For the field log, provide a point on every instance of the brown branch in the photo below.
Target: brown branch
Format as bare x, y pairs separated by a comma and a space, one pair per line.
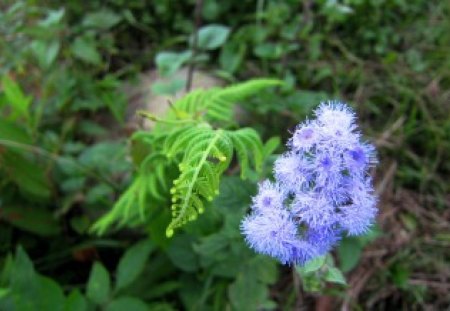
198, 20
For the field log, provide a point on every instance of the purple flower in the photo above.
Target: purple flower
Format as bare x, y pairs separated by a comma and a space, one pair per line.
269, 197
360, 157
321, 190
274, 233
292, 172
305, 137
323, 239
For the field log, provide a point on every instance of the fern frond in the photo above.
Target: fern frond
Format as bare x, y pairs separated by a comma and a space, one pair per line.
248, 146
200, 169
185, 142
221, 103
134, 205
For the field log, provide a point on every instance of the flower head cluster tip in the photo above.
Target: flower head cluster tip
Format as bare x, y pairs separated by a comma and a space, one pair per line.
322, 190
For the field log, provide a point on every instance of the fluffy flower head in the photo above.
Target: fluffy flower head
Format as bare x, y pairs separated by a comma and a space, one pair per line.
322, 190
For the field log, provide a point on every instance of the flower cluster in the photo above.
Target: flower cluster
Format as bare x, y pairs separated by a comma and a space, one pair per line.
322, 190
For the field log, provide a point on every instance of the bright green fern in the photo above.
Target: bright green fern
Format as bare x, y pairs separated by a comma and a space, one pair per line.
182, 159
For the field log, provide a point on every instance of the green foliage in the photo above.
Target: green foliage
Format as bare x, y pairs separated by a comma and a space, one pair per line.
212, 36
187, 141
132, 264
99, 284
24, 287
63, 156
318, 271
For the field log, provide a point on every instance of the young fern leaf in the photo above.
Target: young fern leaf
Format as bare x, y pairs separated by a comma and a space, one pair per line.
204, 160
249, 147
132, 208
221, 102
186, 140
217, 103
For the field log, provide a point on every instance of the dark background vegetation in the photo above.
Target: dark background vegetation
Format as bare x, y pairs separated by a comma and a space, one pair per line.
64, 158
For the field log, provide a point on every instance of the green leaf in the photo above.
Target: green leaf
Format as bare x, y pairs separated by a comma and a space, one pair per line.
169, 62
247, 293
54, 17
12, 132
27, 174
75, 302
313, 265
349, 253
170, 87
268, 50
132, 263
85, 49
103, 19
98, 287
32, 219
265, 268
27, 288
54, 297
211, 37
400, 275
334, 275
127, 303
4, 291
15, 97
182, 255
45, 52
231, 57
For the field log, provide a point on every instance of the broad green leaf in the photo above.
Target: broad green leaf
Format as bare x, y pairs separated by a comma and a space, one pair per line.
11, 132
54, 17
27, 288
313, 265
247, 293
85, 49
75, 302
54, 297
162, 289
15, 97
169, 62
268, 50
211, 37
231, 57
4, 291
182, 254
24, 283
265, 269
400, 275
334, 275
127, 304
170, 87
235, 195
132, 263
98, 287
103, 19
45, 52
27, 174
349, 253
212, 245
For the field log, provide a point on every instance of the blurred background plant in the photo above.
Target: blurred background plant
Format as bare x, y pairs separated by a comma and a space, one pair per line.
64, 158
